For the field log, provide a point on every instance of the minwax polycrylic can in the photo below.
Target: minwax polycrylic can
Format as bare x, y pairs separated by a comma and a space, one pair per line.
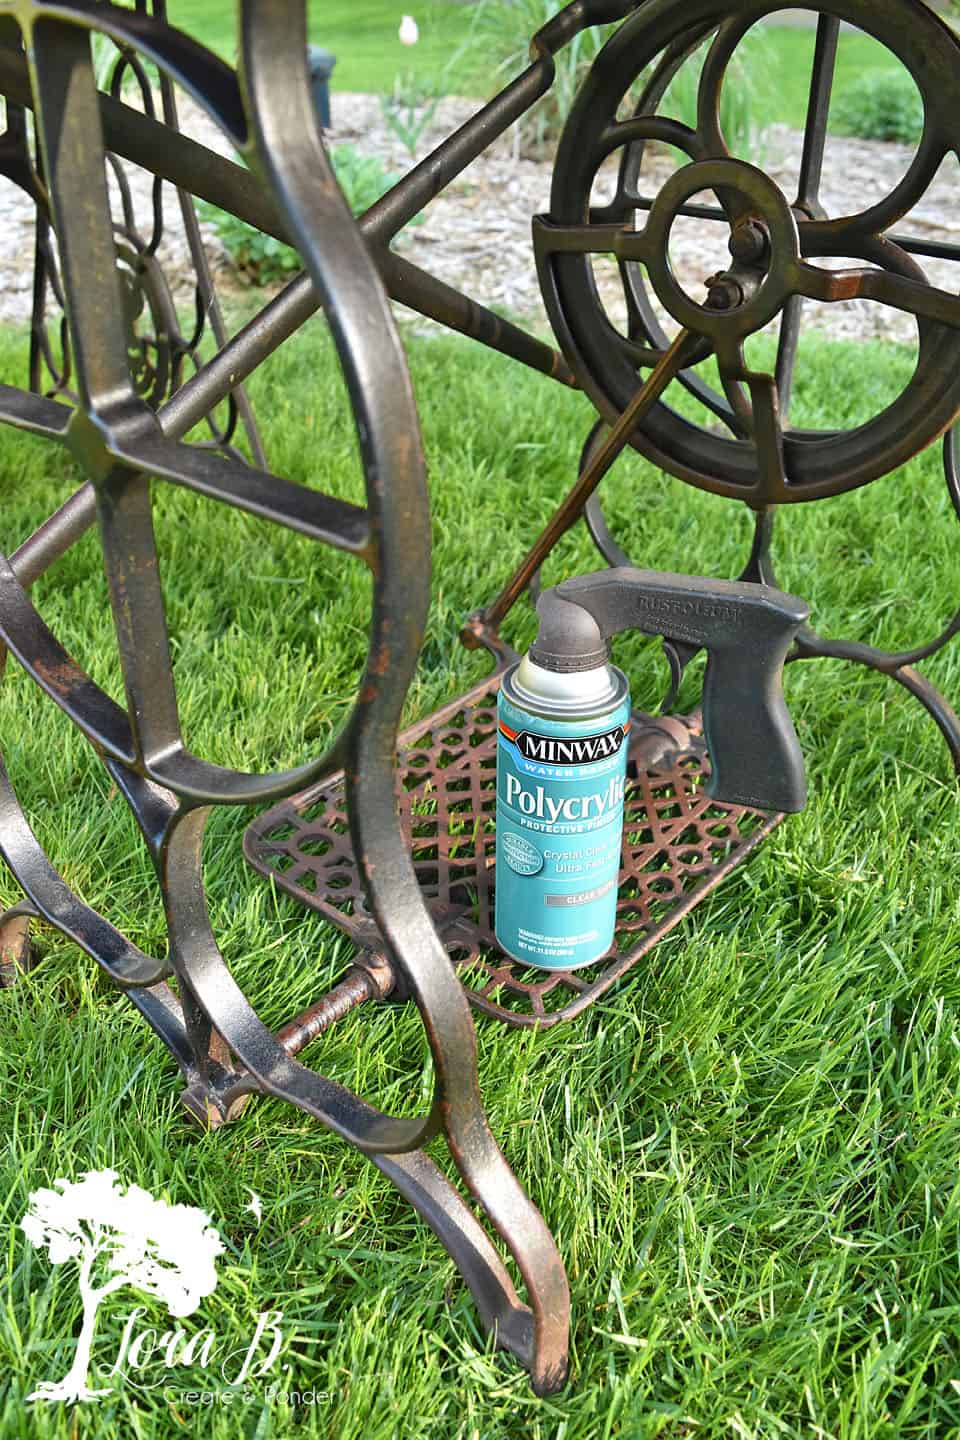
561, 775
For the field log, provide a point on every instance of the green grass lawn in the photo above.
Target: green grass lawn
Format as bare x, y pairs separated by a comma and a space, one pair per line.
783, 92
748, 1152
363, 37
370, 56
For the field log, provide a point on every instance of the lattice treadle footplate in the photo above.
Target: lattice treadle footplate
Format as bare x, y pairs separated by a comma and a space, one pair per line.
678, 845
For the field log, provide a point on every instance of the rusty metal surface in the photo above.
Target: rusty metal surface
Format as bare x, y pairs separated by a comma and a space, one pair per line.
16, 950
678, 846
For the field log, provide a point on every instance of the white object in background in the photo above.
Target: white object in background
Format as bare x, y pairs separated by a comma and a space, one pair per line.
409, 33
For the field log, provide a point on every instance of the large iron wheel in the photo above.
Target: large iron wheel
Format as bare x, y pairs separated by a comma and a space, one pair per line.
774, 241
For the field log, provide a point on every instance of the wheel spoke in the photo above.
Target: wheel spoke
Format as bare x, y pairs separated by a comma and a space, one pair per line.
709, 93
787, 348
839, 235
549, 238
818, 113
712, 75
126, 526
269, 497
900, 292
808, 190
710, 135
642, 128
25, 634
768, 437
33, 413
130, 556
122, 961
665, 71
669, 64
68, 125
930, 249
765, 421
733, 369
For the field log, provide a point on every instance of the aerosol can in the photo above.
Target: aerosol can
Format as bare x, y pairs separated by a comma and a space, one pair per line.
563, 737
561, 776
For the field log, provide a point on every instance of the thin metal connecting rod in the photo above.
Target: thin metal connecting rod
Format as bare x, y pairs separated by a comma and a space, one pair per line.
679, 355
356, 987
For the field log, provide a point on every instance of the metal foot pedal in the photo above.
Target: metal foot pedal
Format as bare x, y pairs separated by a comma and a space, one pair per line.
678, 845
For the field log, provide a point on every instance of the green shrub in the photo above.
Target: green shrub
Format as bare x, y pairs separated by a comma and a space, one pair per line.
881, 105
362, 178
502, 30
262, 259
741, 96
258, 258
409, 108
499, 39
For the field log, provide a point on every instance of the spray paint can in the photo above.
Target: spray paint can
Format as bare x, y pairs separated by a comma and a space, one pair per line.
561, 775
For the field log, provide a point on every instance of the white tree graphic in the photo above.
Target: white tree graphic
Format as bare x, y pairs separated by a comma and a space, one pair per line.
129, 1238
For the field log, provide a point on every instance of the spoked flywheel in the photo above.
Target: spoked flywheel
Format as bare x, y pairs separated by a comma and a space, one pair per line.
779, 245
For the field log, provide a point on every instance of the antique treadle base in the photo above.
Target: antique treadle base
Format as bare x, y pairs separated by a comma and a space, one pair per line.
678, 845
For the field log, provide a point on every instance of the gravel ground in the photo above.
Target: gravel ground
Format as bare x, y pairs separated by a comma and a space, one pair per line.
477, 235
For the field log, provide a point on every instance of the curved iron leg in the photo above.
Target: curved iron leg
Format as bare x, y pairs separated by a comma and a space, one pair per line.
936, 706
901, 668
421, 1183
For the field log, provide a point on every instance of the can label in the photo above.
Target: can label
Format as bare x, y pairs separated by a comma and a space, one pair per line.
560, 790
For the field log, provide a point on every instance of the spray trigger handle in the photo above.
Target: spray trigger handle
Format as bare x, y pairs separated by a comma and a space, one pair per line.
746, 629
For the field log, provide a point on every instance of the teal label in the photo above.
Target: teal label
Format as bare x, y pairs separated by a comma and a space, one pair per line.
560, 789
